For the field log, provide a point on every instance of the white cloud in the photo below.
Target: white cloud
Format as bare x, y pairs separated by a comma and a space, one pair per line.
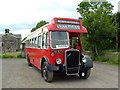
24, 32
16, 14
119, 6
32, 10
115, 4
13, 11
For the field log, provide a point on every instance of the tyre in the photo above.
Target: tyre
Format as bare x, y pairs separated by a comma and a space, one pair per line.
28, 60
85, 73
47, 75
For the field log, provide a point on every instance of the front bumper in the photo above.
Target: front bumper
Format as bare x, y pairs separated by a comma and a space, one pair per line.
61, 68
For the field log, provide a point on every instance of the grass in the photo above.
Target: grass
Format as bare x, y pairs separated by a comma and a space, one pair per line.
109, 58
110, 50
11, 55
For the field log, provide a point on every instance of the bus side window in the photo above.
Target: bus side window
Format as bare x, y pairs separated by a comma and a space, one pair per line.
46, 40
39, 42
43, 40
35, 42
30, 43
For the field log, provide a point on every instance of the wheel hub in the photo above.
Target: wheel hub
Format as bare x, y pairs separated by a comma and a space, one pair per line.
45, 72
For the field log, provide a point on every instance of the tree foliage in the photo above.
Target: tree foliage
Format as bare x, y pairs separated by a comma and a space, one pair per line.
116, 19
39, 24
97, 18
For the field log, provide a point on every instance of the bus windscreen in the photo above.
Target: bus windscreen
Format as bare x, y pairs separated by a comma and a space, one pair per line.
59, 39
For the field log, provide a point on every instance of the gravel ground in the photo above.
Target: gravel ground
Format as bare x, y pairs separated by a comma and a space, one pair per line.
17, 74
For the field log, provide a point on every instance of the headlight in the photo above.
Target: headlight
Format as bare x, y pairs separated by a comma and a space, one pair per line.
84, 60
58, 61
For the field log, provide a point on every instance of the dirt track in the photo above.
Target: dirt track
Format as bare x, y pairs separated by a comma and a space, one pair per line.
17, 74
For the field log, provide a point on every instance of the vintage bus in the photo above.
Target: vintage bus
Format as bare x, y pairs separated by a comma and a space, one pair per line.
56, 47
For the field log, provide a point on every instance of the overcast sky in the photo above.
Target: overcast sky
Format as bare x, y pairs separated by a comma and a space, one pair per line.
20, 16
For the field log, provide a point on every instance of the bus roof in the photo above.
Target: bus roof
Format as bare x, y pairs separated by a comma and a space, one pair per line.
61, 24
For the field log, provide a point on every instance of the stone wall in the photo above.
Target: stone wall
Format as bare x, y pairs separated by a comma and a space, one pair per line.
9, 43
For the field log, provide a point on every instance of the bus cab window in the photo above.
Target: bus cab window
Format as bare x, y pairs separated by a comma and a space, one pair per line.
74, 43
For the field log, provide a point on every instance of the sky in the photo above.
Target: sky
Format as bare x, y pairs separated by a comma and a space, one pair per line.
20, 16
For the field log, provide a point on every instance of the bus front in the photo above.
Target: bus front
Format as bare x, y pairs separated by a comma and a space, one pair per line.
66, 49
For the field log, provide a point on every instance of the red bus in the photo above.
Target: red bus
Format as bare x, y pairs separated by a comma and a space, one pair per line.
56, 47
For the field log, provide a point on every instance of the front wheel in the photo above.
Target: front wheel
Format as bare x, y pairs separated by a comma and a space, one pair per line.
47, 75
84, 74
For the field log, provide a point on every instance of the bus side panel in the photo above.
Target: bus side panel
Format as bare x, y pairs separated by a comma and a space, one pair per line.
36, 55
39, 54
29, 54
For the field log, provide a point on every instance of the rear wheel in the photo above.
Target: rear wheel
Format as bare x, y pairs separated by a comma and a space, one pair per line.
84, 74
47, 75
28, 60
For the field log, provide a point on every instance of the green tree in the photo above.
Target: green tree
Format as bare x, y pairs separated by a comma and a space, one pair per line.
39, 24
97, 18
116, 19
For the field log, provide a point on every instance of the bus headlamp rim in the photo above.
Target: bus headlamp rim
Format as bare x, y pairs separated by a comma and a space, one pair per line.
58, 61
84, 60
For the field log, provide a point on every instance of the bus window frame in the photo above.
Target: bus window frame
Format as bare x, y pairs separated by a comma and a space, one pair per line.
39, 44
46, 40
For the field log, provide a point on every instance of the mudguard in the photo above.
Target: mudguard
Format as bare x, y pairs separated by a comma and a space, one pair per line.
89, 62
50, 67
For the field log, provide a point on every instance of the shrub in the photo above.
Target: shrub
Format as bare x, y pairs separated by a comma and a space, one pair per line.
19, 55
110, 58
102, 59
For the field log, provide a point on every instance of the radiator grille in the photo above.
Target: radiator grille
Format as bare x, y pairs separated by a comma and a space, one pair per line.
72, 61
